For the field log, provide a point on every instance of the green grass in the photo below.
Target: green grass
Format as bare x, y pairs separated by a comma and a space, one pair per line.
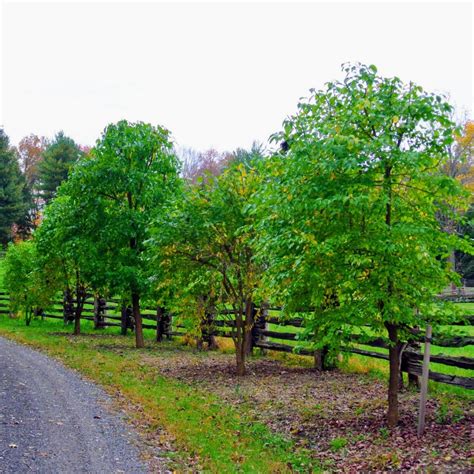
468, 308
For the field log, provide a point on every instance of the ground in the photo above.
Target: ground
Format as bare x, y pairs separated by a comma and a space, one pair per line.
53, 421
339, 417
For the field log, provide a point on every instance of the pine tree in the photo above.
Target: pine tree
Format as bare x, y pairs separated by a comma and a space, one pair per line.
12, 206
58, 158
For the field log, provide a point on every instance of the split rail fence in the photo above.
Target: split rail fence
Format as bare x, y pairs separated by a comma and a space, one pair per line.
268, 333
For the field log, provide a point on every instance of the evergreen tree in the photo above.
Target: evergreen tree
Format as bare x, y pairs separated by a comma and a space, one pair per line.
58, 158
464, 261
12, 206
26, 223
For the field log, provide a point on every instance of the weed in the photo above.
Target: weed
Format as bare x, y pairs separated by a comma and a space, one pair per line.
337, 444
448, 412
384, 432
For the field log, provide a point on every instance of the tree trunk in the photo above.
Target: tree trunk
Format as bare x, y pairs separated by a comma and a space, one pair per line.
27, 316
319, 359
199, 343
210, 338
212, 343
393, 384
240, 358
322, 361
394, 348
139, 341
239, 342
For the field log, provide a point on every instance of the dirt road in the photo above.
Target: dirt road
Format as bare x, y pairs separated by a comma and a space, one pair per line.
52, 421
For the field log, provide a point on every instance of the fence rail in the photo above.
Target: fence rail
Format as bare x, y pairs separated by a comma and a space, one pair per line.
261, 333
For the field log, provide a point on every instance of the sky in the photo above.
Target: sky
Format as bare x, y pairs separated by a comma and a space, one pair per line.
218, 75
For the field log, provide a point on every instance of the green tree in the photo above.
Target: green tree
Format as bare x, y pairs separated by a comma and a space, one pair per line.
207, 238
57, 159
348, 218
126, 180
30, 287
67, 251
12, 205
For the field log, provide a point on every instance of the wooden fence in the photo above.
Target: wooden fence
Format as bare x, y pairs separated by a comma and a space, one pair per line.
110, 313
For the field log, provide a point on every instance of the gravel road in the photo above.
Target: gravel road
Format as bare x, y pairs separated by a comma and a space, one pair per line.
52, 421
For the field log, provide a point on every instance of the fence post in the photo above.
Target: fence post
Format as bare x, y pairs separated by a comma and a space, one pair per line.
99, 312
168, 325
250, 314
209, 328
424, 381
260, 324
160, 323
38, 312
125, 321
413, 379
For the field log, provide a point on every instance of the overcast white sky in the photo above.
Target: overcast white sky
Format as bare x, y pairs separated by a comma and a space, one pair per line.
216, 74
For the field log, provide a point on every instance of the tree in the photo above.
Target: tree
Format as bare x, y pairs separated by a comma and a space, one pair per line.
128, 177
53, 169
31, 289
199, 165
348, 216
12, 206
65, 249
30, 151
460, 162
207, 239
460, 166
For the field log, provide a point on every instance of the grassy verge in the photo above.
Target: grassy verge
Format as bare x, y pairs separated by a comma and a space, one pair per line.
224, 439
